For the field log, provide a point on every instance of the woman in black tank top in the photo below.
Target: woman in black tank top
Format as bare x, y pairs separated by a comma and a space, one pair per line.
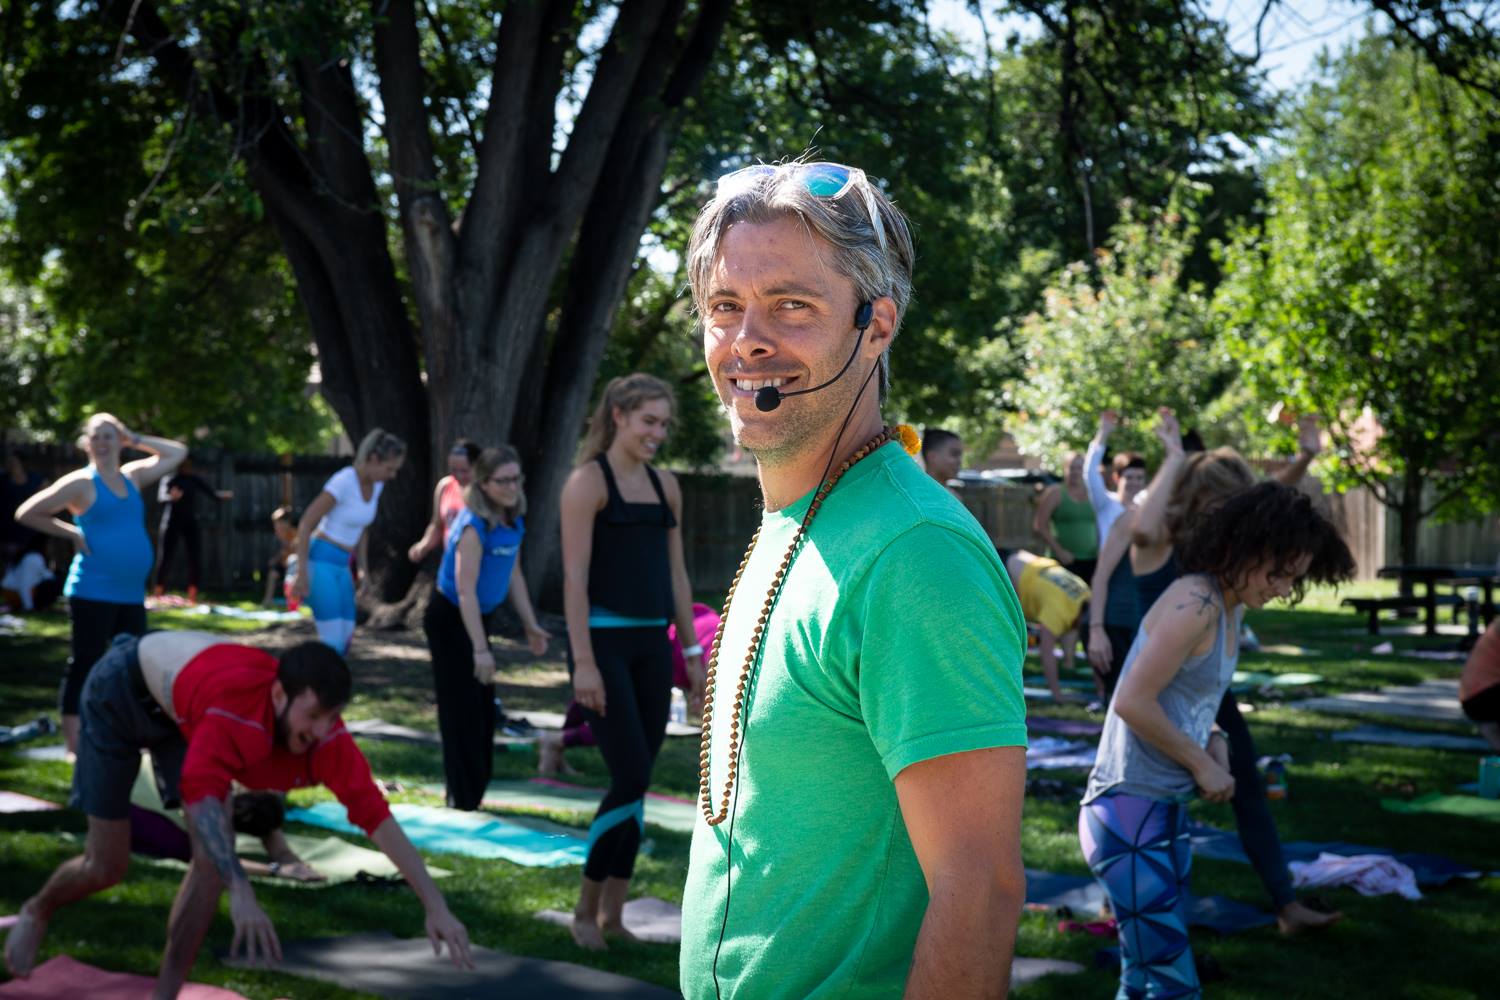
624, 581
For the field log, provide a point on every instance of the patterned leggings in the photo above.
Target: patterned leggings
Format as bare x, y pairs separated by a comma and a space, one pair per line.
1139, 849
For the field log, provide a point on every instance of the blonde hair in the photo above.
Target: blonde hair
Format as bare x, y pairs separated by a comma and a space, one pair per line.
379, 444
627, 394
83, 432
475, 499
1208, 479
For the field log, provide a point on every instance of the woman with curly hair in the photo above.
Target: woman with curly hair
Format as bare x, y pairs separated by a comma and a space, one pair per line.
1186, 485
1160, 746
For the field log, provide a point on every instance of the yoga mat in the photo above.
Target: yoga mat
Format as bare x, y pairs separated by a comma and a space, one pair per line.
542, 793
338, 861
1076, 684
1431, 699
1051, 746
1388, 736
389, 966
379, 729
1082, 894
554, 720
228, 611
1285, 649
449, 831
1029, 970
1062, 727
1430, 869
15, 802
61, 976
1058, 762
9, 921
1249, 680
1471, 806
648, 918
56, 751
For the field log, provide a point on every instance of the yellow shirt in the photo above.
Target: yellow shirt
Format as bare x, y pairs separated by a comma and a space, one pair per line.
1051, 596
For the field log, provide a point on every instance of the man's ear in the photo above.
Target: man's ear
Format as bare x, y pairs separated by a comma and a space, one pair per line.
278, 696
881, 329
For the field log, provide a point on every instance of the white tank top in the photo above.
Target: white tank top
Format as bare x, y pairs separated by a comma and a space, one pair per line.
351, 512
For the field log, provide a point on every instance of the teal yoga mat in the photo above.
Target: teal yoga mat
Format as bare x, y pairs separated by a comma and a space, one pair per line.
540, 793
475, 835
1244, 680
1471, 806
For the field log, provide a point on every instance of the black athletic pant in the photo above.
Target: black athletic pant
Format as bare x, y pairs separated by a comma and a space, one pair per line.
95, 624
466, 708
636, 665
1252, 814
186, 531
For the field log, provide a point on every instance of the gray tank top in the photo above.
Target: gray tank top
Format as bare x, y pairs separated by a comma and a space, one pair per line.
1128, 764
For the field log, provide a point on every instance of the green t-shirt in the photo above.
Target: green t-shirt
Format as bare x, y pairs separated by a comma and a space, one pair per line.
896, 638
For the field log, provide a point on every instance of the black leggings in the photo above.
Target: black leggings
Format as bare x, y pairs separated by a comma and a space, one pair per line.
1251, 813
186, 531
95, 624
636, 665
466, 708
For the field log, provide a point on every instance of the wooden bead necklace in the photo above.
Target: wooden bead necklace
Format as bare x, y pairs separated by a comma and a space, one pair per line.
748, 668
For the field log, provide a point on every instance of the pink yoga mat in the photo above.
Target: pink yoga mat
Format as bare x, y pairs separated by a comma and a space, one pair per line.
63, 977
15, 802
9, 921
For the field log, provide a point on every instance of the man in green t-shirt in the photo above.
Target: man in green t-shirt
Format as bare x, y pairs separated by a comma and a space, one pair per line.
865, 729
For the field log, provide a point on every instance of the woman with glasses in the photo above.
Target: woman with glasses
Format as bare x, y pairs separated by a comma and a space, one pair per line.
481, 567
624, 580
447, 499
333, 532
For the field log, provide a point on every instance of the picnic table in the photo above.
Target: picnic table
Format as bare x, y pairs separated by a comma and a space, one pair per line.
1431, 576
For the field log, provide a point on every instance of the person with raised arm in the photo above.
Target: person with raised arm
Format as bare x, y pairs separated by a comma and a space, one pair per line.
106, 585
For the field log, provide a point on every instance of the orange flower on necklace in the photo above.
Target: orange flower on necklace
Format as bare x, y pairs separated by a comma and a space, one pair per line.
907, 435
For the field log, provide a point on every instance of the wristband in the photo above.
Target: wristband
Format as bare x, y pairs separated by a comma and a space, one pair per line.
694, 650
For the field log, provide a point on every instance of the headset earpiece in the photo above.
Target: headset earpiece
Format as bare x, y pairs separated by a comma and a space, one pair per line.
864, 314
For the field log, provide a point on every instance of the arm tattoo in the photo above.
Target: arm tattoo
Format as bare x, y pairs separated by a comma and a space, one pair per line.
1199, 602
216, 838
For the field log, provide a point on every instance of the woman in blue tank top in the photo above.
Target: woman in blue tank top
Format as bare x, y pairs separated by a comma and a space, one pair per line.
481, 567
106, 586
1160, 746
624, 580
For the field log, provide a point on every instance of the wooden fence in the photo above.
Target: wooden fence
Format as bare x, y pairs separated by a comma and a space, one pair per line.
721, 513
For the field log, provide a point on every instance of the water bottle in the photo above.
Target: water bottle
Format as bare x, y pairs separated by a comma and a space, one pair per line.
678, 712
1275, 780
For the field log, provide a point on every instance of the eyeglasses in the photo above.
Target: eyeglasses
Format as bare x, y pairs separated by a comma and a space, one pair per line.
819, 179
506, 480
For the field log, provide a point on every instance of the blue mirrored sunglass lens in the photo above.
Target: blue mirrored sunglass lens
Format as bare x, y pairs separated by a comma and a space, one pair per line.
825, 180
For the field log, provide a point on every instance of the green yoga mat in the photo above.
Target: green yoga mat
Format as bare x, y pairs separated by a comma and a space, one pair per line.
560, 797
475, 835
1471, 806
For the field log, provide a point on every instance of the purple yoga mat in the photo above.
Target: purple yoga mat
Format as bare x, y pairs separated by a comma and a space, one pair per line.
1062, 727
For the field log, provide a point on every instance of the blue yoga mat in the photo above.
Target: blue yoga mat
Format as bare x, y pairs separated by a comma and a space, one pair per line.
1430, 869
449, 831
1083, 894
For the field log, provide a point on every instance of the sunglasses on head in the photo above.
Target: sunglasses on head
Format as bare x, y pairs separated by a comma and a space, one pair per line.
819, 179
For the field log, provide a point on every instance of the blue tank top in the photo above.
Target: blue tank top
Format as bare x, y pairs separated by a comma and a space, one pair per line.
120, 554
1123, 609
500, 546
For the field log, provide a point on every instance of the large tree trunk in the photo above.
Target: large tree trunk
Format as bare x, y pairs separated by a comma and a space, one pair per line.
1410, 513
498, 364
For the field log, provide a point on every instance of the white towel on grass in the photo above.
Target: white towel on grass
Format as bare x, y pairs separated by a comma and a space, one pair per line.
1368, 874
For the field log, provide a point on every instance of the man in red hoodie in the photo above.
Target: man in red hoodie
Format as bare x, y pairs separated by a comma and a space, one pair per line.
211, 713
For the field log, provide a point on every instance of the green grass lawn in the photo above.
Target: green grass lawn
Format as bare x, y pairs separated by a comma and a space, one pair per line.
1440, 947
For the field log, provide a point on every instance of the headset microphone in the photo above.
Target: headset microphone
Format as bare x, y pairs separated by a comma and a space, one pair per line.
770, 397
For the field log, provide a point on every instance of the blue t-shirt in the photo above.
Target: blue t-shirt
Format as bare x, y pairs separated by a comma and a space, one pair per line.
501, 544
120, 553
